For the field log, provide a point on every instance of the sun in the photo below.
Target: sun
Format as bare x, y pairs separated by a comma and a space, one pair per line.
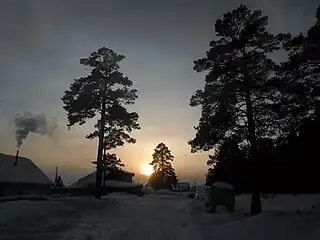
147, 170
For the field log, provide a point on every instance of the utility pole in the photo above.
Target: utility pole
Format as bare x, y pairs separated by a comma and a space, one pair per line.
101, 138
56, 177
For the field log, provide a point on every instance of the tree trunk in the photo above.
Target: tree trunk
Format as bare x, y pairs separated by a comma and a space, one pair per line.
104, 169
255, 198
100, 150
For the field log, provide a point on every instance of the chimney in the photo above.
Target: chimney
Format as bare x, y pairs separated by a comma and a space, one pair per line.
17, 157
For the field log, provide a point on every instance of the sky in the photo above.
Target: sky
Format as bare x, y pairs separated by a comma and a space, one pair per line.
41, 45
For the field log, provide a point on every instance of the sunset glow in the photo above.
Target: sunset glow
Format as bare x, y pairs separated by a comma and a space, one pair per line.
147, 170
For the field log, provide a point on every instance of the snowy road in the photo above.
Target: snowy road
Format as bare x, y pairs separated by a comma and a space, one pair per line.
155, 217
149, 217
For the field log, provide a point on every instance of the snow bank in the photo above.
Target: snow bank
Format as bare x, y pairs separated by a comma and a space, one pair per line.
29, 211
280, 219
46, 219
264, 227
27, 219
277, 205
291, 203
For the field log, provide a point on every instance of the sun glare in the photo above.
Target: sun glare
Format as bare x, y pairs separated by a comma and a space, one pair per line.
147, 170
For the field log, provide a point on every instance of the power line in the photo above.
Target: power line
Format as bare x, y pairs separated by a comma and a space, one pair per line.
76, 159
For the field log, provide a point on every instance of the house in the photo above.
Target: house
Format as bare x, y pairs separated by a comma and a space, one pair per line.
19, 175
181, 186
111, 174
118, 175
88, 181
115, 180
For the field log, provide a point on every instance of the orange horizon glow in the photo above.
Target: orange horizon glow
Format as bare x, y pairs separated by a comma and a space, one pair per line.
147, 170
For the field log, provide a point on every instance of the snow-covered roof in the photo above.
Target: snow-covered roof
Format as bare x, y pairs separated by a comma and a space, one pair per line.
24, 172
90, 179
86, 180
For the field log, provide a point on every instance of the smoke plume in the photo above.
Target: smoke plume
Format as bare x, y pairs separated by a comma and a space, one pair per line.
36, 123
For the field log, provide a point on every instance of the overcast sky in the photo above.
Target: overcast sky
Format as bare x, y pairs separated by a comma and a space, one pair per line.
41, 44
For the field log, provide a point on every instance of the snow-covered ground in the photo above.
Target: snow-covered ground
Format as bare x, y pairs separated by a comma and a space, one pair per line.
158, 216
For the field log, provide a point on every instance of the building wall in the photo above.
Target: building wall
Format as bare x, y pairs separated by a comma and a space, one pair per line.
183, 186
120, 176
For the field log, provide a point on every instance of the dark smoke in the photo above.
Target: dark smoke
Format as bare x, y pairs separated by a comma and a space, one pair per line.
36, 123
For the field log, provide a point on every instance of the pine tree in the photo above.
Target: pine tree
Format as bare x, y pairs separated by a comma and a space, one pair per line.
239, 97
105, 92
112, 161
163, 175
223, 163
301, 77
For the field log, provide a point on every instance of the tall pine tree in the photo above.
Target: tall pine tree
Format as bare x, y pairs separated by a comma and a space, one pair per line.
239, 97
105, 92
163, 175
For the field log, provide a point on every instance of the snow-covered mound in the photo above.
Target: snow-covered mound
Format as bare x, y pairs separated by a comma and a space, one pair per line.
30, 211
47, 219
284, 217
281, 203
266, 227
290, 203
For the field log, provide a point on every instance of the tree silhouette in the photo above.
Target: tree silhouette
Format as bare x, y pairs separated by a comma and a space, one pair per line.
223, 163
301, 76
112, 161
103, 91
240, 96
163, 175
